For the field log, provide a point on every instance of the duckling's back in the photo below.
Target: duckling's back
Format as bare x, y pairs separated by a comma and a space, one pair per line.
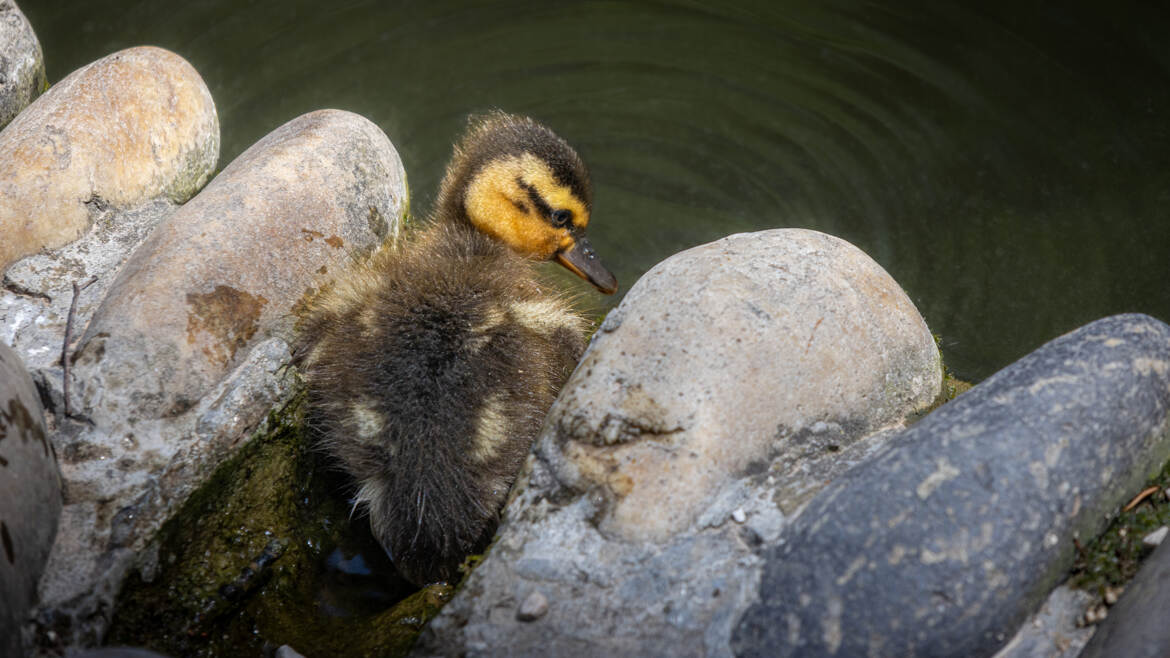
430, 371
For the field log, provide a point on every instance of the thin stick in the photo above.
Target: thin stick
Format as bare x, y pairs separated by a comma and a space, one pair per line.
1146, 493
69, 339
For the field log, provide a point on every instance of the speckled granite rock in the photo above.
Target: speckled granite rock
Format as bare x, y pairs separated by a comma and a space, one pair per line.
211, 290
1136, 626
30, 497
22, 65
134, 126
947, 540
731, 383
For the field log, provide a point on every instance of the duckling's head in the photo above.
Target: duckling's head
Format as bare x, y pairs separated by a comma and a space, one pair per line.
515, 180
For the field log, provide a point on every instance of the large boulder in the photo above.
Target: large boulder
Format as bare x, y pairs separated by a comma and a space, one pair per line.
131, 127
30, 497
948, 539
731, 383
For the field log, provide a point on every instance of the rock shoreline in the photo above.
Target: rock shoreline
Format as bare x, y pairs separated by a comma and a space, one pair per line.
735, 468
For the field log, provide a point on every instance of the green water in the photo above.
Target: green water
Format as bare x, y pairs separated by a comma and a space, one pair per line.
1007, 163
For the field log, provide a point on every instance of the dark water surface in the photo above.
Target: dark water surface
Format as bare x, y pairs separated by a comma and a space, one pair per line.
1007, 163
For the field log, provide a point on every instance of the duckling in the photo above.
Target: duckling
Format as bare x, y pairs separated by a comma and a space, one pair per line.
430, 367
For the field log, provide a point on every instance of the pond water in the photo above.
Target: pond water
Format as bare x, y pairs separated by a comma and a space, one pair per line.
1007, 163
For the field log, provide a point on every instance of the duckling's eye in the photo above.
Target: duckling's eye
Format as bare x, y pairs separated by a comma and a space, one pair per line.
561, 218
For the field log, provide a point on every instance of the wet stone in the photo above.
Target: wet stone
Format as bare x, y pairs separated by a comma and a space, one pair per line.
22, 64
30, 497
945, 541
665, 466
131, 127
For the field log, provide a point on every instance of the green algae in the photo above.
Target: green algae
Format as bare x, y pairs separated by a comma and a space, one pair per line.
241, 568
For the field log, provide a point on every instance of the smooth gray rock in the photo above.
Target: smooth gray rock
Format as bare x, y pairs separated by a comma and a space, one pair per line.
946, 541
733, 381
1136, 626
22, 64
30, 497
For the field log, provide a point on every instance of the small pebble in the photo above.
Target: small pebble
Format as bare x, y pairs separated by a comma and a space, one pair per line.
1094, 615
533, 608
739, 516
1155, 538
286, 651
1111, 594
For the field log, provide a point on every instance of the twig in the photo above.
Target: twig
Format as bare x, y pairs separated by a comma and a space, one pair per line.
69, 339
1146, 493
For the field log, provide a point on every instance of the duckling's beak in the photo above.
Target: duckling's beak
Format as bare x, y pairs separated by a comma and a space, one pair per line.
580, 259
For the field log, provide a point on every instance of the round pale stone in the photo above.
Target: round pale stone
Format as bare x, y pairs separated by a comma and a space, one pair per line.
225, 270
133, 126
777, 344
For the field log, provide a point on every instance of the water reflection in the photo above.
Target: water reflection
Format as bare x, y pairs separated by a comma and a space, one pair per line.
1007, 163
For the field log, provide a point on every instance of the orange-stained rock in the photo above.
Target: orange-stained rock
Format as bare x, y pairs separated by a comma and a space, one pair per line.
133, 126
227, 269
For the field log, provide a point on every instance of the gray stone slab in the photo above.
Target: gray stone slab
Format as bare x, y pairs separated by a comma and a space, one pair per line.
951, 536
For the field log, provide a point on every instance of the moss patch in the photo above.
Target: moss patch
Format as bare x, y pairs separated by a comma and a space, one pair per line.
265, 554
952, 387
1114, 557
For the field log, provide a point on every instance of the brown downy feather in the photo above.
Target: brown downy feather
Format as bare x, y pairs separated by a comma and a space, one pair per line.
431, 368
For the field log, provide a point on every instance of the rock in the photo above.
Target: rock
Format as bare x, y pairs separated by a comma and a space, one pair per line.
22, 64
228, 268
534, 607
186, 350
30, 497
749, 368
757, 347
947, 540
1156, 537
1053, 631
1136, 626
38, 291
131, 127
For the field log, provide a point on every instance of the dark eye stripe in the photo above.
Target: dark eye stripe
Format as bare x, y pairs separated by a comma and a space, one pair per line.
538, 201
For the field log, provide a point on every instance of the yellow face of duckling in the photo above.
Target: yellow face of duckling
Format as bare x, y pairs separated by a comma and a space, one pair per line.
520, 200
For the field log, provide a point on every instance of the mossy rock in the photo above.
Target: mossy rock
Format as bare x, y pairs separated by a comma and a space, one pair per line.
265, 554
